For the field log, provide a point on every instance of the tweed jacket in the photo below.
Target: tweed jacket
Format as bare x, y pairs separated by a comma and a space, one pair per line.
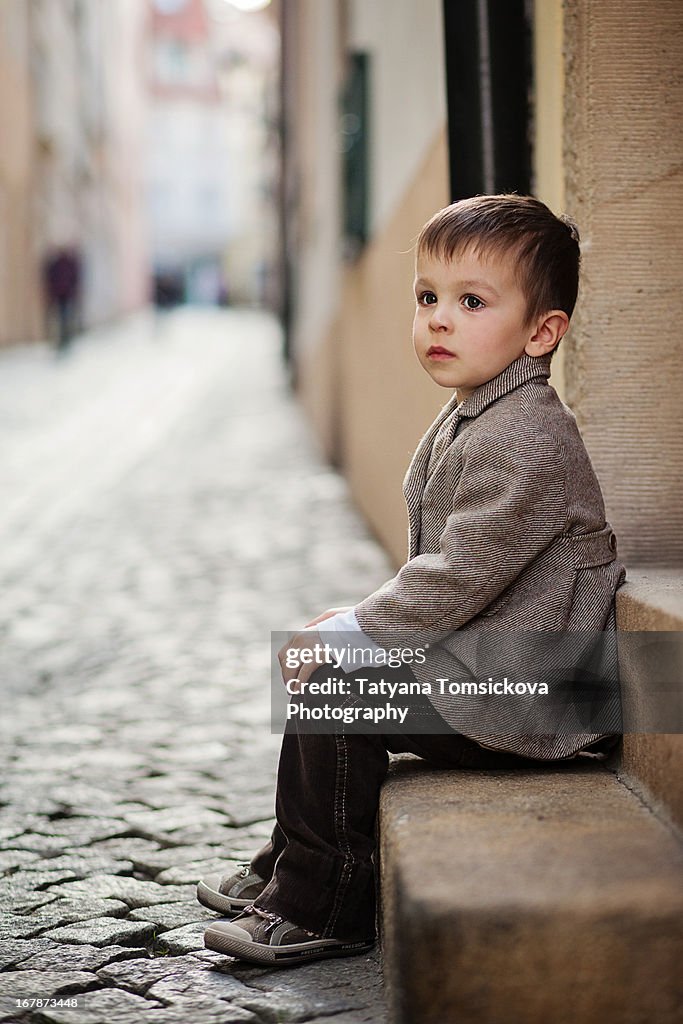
507, 535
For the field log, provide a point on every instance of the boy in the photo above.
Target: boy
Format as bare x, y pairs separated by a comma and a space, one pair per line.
507, 531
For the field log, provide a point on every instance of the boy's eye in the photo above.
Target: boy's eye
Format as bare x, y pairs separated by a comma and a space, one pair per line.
472, 302
427, 298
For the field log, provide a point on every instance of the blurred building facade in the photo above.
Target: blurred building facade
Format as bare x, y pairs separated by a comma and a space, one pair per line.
395, 108
188, 156
136, 135
212, 149
72, 126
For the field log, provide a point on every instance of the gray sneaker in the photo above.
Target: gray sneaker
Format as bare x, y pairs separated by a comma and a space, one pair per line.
263, 938
230, 894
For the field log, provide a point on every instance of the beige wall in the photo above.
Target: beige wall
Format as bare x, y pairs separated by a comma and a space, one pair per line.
388, 400
407, 101
316, 80
364, 391
19, 280
314, 76
368, 397
624, 183
122, 33
404, 39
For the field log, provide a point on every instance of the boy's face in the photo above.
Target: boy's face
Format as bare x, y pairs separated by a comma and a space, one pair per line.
469, 321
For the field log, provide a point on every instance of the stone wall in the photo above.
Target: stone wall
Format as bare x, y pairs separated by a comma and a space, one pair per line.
624, 184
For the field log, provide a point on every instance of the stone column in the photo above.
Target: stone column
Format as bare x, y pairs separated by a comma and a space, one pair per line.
624, 185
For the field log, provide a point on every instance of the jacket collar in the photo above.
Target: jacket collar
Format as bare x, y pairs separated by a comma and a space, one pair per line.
522, 370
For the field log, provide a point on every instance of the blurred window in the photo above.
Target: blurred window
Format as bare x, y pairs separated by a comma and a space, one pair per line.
353, 141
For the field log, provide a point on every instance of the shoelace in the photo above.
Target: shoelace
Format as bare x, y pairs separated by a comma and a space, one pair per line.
273, 919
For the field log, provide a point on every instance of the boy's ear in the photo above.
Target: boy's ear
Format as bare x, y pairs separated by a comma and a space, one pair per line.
549, 330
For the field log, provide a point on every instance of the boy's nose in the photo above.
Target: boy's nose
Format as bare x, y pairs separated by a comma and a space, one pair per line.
440, 321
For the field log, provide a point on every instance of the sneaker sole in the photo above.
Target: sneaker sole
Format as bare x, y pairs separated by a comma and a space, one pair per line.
217, 901
282, 956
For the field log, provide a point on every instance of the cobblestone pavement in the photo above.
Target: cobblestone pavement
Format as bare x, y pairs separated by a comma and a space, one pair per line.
163, 511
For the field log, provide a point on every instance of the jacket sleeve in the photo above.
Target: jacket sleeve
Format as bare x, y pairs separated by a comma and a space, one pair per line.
508, 506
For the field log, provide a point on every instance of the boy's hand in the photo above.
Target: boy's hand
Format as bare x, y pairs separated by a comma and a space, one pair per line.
328, 615
302, 673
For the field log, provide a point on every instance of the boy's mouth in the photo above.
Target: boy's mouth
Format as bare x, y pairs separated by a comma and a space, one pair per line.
439, 352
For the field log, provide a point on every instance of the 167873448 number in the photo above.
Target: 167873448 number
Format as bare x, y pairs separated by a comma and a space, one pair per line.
46, 1002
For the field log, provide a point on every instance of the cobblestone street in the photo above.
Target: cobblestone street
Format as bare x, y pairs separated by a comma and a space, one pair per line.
164, 509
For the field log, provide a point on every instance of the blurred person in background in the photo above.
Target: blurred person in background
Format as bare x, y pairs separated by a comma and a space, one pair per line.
62, 272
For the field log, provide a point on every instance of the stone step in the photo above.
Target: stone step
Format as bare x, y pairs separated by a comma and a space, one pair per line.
536, 896
650, 620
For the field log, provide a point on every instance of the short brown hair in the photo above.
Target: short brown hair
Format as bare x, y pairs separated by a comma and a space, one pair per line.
545, 248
